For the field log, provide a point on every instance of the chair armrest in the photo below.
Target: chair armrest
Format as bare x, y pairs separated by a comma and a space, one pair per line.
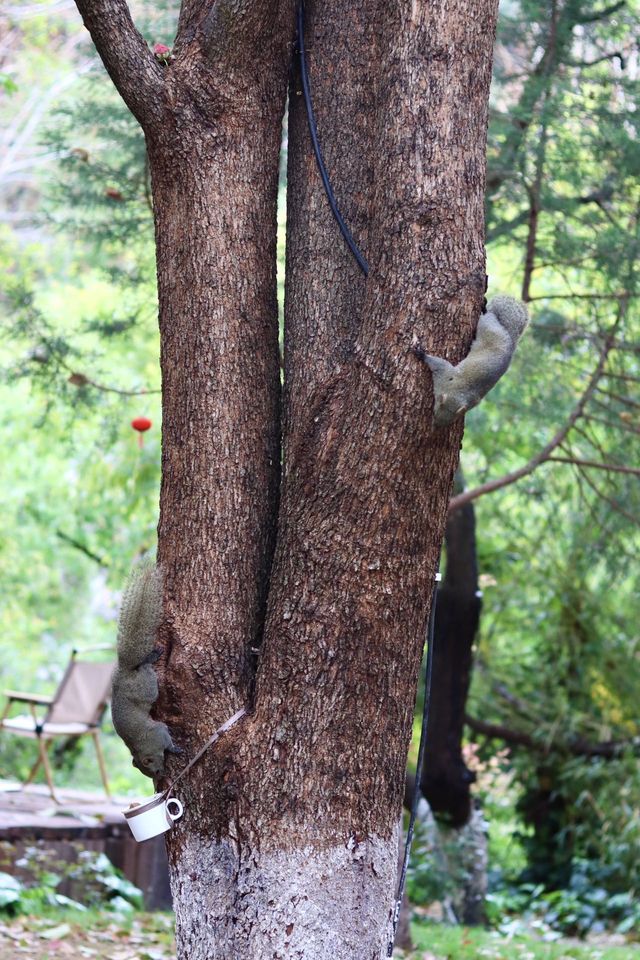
28, 697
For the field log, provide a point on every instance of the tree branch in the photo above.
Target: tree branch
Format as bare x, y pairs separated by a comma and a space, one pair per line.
632, 518
611, 467
583, 64
626, 377
80, 380
535, 202
497, 731
602, 14
584, 296
625, 401
128, 60
81, 547
612, 425
579, 747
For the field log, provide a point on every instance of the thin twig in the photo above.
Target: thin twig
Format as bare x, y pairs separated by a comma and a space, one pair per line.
584, 296
80, 380
78, 545
627, 401
611, 467
608, 500
625, 427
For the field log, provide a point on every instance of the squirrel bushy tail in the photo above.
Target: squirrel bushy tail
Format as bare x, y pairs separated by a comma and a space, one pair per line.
140, 614
135, 684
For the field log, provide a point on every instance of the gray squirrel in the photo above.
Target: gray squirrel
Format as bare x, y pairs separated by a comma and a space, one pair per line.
458, 388
135, 683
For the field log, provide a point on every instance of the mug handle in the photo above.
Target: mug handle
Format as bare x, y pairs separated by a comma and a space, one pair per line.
174, 816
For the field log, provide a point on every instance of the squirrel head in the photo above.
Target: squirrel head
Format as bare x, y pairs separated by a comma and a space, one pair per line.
150, 766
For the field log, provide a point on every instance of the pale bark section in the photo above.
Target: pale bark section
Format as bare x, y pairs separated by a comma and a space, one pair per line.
307, 904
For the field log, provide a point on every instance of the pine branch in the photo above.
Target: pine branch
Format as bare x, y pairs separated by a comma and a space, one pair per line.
612, 425
625, 401
127, 58
585, 64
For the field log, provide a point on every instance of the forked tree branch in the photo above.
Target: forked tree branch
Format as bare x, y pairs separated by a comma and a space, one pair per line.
128, 60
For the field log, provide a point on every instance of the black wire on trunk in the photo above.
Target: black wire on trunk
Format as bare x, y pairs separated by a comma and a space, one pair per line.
313, 130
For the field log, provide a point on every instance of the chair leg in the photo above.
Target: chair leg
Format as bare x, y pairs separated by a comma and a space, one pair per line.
33, 771
43, 747
103, 769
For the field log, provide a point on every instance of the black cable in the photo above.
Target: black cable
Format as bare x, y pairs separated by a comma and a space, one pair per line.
313, 130
428, 674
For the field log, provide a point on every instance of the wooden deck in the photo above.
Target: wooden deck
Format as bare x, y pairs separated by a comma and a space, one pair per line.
80, 821
25, 812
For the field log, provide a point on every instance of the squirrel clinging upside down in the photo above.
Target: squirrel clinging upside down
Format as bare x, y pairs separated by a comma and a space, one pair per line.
459, 388
135, 683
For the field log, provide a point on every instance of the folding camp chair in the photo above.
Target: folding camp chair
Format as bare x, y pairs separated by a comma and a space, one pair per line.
76, 709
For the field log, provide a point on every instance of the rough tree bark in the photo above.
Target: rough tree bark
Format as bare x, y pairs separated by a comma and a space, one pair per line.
288, 844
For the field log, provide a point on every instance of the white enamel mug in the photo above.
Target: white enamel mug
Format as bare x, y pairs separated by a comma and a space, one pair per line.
152, 817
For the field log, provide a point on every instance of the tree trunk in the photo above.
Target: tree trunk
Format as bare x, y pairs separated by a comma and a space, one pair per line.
446, 780
288, 844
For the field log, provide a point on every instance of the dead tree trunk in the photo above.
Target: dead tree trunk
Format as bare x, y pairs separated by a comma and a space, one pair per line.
288, 843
